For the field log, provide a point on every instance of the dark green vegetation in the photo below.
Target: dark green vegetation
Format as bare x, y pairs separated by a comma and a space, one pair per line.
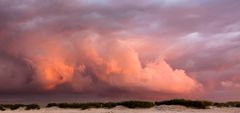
17, 106
82, 105
32, 106
187, 103
197, 104
2, 109
136, 104
144, 104
129, 104
228, 104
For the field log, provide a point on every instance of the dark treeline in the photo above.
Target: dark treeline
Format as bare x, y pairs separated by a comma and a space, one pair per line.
197, 104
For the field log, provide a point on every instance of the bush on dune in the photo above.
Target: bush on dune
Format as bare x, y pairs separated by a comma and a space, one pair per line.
12, 106
234, 104
52, 105
85, 105
2, 109
17, 106
187, 103
197, 104
75, 105
109, 105
129, 104
136, 104
32, 106
221, 104
227, 104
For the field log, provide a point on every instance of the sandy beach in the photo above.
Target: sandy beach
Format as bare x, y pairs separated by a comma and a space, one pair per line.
159, 109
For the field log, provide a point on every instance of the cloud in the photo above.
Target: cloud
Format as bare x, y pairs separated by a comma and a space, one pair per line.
163, 48
84, 63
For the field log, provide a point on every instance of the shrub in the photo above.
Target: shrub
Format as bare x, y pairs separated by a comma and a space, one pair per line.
233, 104
129, 104
136, 104
237, 104
2, 109
17, 106
187, 103
52, 105
77, 105
91, 105
109, 105
144, 104
32, 106
12, 106
221, 105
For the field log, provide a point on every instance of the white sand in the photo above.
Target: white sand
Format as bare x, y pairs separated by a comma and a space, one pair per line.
160, 109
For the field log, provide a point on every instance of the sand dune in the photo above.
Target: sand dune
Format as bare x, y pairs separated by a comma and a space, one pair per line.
159, 109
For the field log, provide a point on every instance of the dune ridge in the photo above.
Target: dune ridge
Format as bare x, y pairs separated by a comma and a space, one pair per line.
195, 104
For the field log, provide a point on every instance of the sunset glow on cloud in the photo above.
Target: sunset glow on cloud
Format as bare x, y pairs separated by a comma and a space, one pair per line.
108, 49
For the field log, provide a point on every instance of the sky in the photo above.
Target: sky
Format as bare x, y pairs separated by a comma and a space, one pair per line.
106, 50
